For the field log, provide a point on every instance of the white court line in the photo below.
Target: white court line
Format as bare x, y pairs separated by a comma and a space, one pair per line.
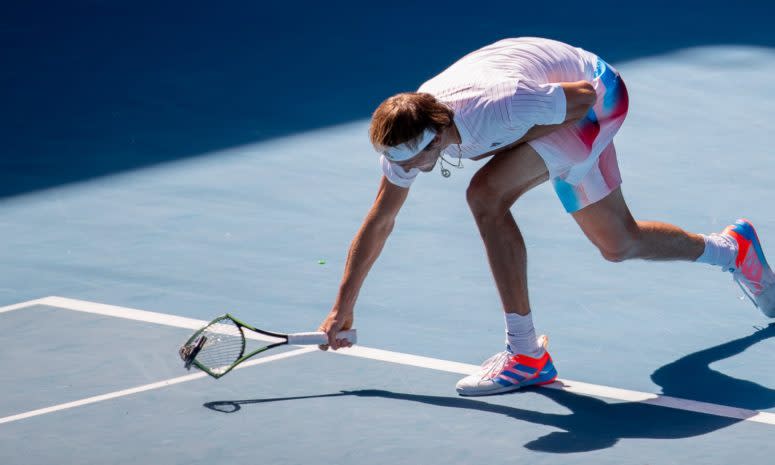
123, 312
575, 387
29, 303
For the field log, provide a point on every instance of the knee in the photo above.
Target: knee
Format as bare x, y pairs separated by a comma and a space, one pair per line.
486, 202
619, 249
614, 255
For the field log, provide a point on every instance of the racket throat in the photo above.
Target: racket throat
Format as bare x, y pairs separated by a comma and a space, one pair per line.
189, 351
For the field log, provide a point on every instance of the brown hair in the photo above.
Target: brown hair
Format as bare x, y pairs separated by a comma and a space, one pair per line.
405, 116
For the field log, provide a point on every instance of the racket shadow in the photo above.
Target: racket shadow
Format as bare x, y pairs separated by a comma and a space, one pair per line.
233, 406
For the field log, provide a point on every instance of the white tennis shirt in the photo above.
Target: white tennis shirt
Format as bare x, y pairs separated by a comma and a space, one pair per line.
499, 92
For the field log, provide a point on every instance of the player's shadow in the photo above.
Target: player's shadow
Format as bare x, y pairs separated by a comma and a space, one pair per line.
595, 424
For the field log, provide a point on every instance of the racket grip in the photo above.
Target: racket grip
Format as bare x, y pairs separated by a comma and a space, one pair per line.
317, 338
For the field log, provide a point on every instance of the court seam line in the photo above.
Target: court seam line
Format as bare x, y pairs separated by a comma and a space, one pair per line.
146, 387
575, 387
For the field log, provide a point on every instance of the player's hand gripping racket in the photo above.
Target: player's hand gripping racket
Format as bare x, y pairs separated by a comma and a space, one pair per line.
220, 346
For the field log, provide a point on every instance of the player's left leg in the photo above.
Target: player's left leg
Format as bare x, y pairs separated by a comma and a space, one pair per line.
609, 225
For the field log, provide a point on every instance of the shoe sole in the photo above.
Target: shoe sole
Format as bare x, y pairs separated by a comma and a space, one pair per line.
766, 302
504, 389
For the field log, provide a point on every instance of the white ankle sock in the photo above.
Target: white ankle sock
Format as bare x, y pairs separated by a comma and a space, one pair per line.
521, 335
720, 250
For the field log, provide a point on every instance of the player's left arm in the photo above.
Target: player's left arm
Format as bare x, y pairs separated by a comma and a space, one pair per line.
580, 96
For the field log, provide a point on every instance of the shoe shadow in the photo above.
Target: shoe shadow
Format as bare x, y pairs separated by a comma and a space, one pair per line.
595, 424
691, 377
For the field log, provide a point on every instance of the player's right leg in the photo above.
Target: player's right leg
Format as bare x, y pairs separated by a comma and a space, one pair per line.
491, 194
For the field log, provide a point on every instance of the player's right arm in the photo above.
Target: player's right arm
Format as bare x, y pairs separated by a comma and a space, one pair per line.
363, 252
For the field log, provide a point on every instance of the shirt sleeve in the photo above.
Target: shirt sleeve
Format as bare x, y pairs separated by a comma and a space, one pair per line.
397, 175
534, 103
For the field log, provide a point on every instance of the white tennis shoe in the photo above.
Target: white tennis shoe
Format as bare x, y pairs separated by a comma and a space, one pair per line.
504, 372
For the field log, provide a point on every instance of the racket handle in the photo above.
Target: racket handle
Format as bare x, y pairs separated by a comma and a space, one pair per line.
317, 338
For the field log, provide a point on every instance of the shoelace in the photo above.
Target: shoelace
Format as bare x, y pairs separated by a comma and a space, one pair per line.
492, 366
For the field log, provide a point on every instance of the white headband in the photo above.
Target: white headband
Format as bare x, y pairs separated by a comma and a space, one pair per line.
408, 149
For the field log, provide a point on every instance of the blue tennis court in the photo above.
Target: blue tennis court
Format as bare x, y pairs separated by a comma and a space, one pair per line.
156, 174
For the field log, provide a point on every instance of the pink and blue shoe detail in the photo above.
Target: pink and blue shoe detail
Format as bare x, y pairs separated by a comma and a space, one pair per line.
751, 271
505, 371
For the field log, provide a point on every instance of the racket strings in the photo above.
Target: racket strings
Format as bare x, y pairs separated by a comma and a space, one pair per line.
224, 345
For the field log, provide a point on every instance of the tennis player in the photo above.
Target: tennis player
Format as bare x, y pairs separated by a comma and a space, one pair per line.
542, 111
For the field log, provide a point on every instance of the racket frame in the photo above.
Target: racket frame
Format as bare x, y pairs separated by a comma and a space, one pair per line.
243, 356
285, 339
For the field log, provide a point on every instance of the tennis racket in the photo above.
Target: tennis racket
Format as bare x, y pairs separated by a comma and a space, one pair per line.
221, 345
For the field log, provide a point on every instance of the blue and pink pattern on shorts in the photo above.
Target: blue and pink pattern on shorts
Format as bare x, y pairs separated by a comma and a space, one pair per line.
581, 158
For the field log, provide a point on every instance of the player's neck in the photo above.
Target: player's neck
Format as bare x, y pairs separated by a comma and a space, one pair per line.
452, 135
